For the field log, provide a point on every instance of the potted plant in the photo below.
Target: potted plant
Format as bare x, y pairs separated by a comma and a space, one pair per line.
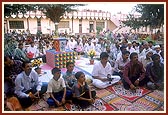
36, 62
91, 54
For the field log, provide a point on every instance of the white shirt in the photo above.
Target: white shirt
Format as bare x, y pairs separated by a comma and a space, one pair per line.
119, 62
145, 61
131, 49
33, 50
95, 40
71, 45
89, 47
144, 51
56, 86
79, 47
99, 70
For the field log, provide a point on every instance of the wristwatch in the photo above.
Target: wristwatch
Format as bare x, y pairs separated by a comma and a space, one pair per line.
138, 79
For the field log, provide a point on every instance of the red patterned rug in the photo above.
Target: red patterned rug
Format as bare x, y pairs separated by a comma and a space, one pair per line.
128, 94
110, 99
99, 105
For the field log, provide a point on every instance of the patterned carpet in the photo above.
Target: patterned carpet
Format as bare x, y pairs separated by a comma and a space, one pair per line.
113, 98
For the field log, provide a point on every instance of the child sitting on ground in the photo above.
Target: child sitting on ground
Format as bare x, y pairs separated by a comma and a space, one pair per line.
69, 76
57, 89
82, 95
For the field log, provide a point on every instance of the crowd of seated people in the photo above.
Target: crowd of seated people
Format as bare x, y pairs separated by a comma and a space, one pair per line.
133, 64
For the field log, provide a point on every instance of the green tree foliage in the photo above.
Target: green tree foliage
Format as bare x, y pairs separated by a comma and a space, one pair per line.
10, 9
151, 15
133, 22
56, 11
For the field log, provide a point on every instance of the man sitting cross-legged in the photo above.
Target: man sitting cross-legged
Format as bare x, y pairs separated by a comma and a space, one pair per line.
28, 86
155, 73
133, 73
102, 73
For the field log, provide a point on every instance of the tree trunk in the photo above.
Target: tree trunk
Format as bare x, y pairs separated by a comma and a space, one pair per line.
56, 30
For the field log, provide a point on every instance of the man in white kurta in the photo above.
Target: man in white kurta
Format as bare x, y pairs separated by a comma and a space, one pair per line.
33, 49
100, 72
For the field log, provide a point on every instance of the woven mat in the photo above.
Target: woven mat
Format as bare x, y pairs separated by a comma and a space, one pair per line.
108, 100
113, 98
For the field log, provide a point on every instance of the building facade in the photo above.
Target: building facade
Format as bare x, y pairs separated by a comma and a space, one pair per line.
85, 21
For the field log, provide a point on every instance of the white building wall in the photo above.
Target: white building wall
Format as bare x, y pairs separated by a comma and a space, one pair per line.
75, 26
105, 25
70, 25
148, 29
52, 26
45, 26
33, 25
25, 24
62, 30
85, 26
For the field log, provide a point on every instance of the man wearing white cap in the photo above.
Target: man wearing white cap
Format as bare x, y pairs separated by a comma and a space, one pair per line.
146, 59
130, 48
146, 48
157, 49
71, 43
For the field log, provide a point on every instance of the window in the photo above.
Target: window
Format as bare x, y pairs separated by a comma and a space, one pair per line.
16, 24
100, 24
63, 24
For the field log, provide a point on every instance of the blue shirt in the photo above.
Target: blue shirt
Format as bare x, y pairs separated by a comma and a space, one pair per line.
24, 83
69, 78
156, 72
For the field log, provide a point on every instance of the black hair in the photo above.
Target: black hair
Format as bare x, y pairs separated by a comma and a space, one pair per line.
122, 47
47, 42
141, 45
154, 56
24, 63
125, 52
133, 54
78, 74
20, 44
150, 42
103, 55
138, 44
54, 70
68, 63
